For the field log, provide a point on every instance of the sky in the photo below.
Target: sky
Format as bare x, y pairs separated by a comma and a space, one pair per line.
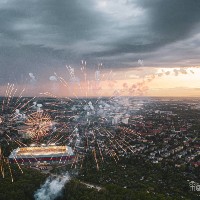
133, 39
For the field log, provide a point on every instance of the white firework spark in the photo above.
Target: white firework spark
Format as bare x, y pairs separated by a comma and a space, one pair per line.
91, 117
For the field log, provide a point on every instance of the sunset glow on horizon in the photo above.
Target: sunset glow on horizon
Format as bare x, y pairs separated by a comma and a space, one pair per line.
148, 81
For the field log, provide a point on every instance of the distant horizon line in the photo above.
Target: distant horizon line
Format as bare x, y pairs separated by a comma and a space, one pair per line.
83, 97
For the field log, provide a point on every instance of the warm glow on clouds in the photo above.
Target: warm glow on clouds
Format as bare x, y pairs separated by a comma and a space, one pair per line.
147, 81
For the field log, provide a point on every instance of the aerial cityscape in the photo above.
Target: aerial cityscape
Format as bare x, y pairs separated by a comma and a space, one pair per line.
99, 100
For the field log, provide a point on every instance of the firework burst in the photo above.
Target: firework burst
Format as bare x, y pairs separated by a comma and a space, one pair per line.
93, 118
100, 125
13, 105
14, 108
39, 124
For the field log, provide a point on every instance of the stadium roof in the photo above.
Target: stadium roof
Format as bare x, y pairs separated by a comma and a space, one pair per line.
43, 151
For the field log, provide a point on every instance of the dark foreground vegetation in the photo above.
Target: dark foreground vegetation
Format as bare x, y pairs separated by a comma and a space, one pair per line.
23, 186
130, 178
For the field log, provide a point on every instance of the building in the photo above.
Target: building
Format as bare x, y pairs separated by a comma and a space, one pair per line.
34, 155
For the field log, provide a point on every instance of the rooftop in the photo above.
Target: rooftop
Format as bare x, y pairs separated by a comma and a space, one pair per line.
44, 151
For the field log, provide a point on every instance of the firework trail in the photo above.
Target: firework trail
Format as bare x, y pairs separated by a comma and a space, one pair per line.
14, 108
91, 117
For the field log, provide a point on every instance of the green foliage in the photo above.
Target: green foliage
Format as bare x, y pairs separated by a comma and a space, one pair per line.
138, 176
24, 185
74, 190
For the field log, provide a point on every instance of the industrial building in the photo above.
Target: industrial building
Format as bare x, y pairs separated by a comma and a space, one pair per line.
34, 155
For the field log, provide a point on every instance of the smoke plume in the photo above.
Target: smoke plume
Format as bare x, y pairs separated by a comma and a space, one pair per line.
32, 77
52, 188
140, 62
52, 78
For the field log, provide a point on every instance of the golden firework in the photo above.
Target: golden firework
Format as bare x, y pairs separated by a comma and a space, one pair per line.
39, 124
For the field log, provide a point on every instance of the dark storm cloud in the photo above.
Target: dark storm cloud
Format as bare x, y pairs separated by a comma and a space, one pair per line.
65, 20
36, 35
40, 35
8, 17
168, 21
71, 19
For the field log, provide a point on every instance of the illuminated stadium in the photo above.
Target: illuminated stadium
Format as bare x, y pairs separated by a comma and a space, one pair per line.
44, 154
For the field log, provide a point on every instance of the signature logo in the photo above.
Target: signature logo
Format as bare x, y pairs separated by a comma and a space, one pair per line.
194, 186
